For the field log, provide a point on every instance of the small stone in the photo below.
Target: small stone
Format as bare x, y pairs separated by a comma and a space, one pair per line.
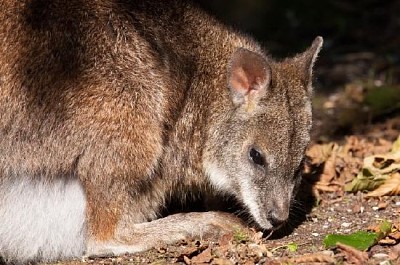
380, 256
346, 224
259, 250
315, 234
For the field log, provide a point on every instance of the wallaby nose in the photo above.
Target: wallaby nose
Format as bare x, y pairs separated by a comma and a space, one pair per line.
275, 219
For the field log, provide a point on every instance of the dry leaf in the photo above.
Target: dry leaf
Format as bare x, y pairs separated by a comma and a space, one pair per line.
329, 172
382, 205
387, 241
396, 226
203, 257
394, 252
395, 235
226, 239
374, 228
325, 187
224, 244
186, 260
319, 153
390, 187
188, 251
332, 176
383, 164
353, 255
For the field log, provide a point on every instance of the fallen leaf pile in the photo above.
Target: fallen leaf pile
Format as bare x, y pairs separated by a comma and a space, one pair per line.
244, 246
380, 174
357, 165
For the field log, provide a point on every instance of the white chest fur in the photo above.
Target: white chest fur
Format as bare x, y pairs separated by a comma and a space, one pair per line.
40, 219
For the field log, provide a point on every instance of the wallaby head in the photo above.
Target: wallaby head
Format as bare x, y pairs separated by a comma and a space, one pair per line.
256, 146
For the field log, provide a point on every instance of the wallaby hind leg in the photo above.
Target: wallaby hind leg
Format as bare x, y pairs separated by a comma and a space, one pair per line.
134, 238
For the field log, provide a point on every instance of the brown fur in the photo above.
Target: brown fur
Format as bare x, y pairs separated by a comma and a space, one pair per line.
131, 98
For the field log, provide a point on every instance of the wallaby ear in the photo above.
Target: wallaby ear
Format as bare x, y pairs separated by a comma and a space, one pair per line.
249, 76
307, 60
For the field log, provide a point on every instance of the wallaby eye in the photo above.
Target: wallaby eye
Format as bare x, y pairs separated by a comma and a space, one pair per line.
256, 157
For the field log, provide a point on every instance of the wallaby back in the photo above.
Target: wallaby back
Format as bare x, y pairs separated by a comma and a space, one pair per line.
110, 108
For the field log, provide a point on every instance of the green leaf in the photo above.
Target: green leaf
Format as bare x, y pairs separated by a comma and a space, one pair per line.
360, 240
365, 181
240, 236
384, 229
292, 247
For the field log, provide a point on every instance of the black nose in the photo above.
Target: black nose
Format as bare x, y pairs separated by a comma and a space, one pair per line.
274, 219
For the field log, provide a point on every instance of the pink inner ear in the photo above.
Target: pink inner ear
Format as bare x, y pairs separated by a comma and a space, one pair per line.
239, 80
248, 71
248, 77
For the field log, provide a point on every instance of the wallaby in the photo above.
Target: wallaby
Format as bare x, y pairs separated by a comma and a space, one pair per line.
110, 108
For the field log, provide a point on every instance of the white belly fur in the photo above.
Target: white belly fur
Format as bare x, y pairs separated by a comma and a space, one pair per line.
41, 220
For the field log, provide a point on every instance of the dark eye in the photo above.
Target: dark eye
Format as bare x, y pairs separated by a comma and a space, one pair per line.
256, 157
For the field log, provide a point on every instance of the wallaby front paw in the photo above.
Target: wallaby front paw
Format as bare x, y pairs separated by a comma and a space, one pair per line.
133, 238
213, 225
